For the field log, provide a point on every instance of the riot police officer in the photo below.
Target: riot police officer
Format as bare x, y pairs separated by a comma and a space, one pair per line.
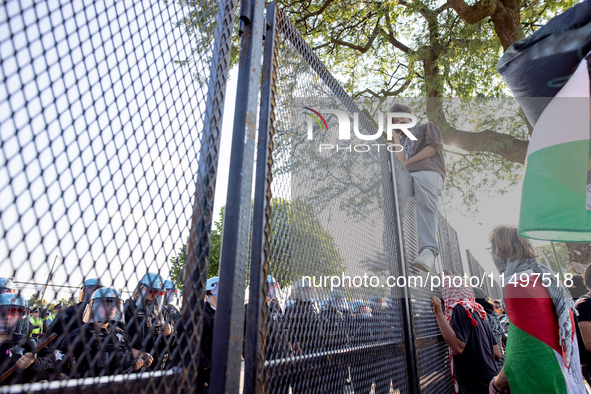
303, 333
100, 346
148, 322
16, 348
71, 317
275, 345
337, 322
211, 292
7, 286
171, 295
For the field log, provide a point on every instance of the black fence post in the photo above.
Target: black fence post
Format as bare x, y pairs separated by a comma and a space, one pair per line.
254, 357
411, 355
229, 322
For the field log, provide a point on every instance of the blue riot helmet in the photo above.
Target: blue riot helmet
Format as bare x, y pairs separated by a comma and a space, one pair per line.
88, 289
171, 292
7, 286
13, 314
105, 305
212, 285
149, 290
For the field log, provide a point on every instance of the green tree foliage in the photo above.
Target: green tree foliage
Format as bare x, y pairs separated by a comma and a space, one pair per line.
389, 49
299, 245
561, 251
178, 262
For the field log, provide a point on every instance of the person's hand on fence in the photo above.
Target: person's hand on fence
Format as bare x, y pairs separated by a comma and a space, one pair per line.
447, 271
26, 360
578, 267
137, 364
168, 330
147, 358
437, 308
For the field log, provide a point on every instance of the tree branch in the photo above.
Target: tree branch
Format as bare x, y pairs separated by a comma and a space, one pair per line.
511, 148
473, 13
357, 47
315, 13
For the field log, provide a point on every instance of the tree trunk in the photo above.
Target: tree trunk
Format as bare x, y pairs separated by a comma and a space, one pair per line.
506, 20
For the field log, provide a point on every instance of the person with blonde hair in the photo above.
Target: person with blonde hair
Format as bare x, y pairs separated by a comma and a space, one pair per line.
542, 351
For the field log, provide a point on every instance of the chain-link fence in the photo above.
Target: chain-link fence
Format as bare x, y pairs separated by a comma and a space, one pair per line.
334, 219
110, 131
110, 117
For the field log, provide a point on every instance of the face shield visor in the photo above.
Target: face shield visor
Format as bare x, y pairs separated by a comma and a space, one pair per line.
12, 320
214, 290
273, 290
85, 292
150, 299
102, 310
170, 296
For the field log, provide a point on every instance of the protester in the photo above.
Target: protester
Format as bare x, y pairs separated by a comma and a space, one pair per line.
468, 335
502, 315
100, 346
583, 306
494, 323
16, 348
205, 353
542, 352
423, 158
148, 323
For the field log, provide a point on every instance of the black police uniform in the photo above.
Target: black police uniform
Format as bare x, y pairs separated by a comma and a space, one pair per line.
65, 322
206, 349
146, 330
10, 352
275, 343
337, 328
303, 332
92, 351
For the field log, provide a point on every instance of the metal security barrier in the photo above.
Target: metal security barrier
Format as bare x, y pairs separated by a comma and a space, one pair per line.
110, 119
110, 122
494, 291
319, 216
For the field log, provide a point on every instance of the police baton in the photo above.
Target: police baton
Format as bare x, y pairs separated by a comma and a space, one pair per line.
45, 342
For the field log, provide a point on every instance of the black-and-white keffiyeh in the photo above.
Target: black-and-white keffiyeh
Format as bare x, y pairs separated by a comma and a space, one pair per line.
408, 144
561, 299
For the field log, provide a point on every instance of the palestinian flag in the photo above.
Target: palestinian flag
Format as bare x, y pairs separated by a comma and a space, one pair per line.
534, 360
554, 202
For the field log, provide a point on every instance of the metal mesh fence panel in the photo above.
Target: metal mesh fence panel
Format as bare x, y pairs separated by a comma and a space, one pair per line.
110, 120
431, 350
322, 338
449, 247
492, 289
